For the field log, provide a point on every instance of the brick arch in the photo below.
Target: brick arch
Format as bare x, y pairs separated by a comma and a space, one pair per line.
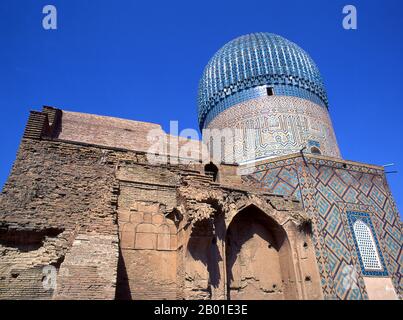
234, 208
256, 237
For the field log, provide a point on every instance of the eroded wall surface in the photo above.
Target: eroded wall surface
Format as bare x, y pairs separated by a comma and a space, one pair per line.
114, 226
83, 221
58, 208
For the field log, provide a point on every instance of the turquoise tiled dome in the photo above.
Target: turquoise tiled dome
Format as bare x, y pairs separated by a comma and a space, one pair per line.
240, 68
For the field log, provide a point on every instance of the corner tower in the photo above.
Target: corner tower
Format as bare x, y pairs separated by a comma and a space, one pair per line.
271, 92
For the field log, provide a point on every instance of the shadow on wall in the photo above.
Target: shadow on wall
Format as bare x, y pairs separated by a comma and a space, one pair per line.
257, 253
122, 286
205, 250
27, 240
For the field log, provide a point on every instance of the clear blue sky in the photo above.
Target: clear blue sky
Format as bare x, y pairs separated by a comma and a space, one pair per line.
142, 60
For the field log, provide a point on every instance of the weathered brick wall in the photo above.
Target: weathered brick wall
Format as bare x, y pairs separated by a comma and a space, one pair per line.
69, 187
59, 185
125, 134
114, 226
56, 194
90, 268
61, 206
148, 239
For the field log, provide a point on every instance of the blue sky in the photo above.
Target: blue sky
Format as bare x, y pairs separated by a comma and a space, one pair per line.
142, 60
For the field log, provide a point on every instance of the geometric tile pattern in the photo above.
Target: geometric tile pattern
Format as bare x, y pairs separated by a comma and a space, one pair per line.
283, 181
272, 126
366, 244
256, 92
328, 192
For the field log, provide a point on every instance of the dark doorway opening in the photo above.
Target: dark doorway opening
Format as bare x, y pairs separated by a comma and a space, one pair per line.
211, 170
258, 258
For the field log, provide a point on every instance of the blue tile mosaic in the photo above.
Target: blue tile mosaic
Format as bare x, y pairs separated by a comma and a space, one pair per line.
352, 218
253, 93
313, 143
256, 61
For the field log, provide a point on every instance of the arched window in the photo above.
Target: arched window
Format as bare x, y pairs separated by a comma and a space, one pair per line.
315, 150
367, 247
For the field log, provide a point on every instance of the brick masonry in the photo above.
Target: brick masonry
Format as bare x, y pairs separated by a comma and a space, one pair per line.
57, 194
113, 225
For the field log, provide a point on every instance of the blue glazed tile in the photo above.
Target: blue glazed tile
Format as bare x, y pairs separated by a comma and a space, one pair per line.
352, 218
244, 67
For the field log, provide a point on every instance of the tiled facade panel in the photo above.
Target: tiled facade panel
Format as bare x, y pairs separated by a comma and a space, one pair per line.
329, 192
366, 243
282, 180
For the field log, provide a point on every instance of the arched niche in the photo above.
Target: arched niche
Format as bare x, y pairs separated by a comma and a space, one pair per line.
258, 258
212, 170
315, 150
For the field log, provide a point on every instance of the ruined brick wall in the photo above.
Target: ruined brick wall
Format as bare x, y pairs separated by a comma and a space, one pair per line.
148, 247
147, 269
57, 196
151, 238
65, 202
112, 225
61, 206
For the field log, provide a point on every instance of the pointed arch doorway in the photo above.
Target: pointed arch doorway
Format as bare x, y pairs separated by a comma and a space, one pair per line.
258, 258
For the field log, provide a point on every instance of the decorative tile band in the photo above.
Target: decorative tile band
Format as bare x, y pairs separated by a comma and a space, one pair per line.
272, 126
256, 92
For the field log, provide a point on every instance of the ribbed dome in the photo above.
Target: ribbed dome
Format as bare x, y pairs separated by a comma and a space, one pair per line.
255, 60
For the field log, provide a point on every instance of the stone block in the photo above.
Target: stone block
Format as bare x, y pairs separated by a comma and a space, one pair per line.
173, 229
146, 228
163, 229
146, 241
124, 216
127, 239
174, 242
164, 242
158, 219
147, 217
136, 217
